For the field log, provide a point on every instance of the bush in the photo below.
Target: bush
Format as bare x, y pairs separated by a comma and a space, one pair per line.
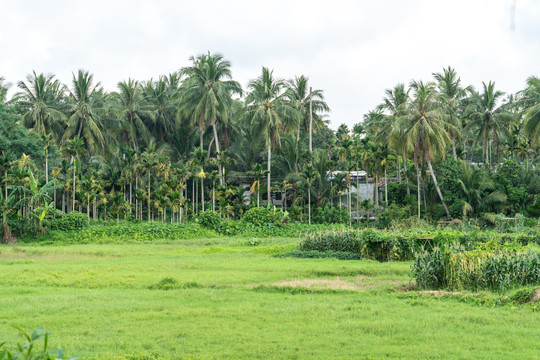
210, 220
72, 221
331, 215
258, 216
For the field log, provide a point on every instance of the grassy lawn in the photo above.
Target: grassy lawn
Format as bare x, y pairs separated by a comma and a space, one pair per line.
102, 302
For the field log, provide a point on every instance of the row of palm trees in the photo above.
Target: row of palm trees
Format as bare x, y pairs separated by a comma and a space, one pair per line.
155, 146
423, 121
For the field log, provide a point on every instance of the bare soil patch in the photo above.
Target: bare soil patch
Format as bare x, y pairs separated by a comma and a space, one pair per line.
407, 288
536, 295
322, 284
441, 293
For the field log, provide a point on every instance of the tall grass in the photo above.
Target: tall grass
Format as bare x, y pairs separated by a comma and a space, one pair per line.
457, 269
383, 245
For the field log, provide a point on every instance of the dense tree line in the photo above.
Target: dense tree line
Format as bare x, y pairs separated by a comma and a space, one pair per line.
169, 148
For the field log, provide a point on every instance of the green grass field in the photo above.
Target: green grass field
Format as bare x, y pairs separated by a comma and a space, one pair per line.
233, 300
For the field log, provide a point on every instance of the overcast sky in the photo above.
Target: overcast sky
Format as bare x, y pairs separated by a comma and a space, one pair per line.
353, 50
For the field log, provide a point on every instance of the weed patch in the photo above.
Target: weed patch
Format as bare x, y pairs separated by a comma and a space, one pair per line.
299, 290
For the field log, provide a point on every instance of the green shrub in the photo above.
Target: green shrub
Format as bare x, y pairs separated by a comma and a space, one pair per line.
210, 220
166, 283
331, 215
259, 216
522, 296
72, 221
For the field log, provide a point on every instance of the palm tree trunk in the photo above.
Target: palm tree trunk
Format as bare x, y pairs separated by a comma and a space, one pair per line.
309, 205
406, 177
201, 127
202, 193
46, 167
398, 169
136, 199
437, 187
148, 196
269, 175
74, 168
385, 187
350, 207
192, 195
376, 189
367, 187
357, 195
216, 139
418, 188
310, 122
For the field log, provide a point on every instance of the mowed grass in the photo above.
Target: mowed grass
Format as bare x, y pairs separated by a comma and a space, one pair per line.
101, 302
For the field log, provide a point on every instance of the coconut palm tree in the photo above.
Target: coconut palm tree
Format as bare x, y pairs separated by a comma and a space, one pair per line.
270, 112
207, 94
309, 174
451, 93
130, 103
531, 102
425, 132
41, 97
309, 103
488, 118
75, 148
256, 172
86, 108
199, 159
161, 104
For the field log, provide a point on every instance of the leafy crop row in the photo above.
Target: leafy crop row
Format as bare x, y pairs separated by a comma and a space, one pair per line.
383, 245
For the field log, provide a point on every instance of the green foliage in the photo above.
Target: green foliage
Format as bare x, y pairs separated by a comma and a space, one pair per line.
314, 254
522, 296
138, 231
331, 214
210, 220
493, 267
298, 290
125, 232
259, 216
383, 245
394, 213
168, 283
16, 138
72, 221
397, 193
29, 350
